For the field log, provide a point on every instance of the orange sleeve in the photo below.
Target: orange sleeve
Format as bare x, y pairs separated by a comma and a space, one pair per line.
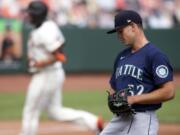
60, 57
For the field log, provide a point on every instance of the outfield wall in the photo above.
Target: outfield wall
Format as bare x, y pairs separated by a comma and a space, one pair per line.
92, 50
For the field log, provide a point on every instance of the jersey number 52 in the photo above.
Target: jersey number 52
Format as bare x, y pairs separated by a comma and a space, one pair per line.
136, 89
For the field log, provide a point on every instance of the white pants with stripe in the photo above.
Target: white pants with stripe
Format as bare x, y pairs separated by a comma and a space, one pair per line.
44, 94
142, 123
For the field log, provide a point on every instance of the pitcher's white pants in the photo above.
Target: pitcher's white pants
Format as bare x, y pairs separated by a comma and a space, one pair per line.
44, 94
142, 123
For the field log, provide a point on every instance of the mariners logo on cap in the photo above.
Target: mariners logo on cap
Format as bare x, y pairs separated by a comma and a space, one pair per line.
128, 21
162, 71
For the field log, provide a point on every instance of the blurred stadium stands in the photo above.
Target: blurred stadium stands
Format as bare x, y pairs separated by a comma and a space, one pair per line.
158, 14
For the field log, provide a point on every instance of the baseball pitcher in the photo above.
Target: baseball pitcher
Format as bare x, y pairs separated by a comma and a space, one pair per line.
141, 80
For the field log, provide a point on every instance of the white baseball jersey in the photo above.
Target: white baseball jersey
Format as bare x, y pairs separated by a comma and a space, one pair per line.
42, 42
44, 91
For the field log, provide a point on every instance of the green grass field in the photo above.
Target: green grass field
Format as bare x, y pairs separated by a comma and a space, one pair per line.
11, 105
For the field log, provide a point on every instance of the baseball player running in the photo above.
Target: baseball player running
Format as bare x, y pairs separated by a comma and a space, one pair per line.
46, 56
144, 69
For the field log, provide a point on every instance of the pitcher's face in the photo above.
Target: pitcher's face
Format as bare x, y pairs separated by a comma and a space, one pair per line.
126, 34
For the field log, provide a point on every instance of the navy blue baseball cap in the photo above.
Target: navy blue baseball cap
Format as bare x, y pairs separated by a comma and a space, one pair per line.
124, 18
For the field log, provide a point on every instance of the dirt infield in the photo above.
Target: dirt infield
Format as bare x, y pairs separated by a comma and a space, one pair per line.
14, 83
46, 128
56, 128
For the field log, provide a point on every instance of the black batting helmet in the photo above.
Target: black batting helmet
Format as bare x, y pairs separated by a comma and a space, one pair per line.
38, 11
